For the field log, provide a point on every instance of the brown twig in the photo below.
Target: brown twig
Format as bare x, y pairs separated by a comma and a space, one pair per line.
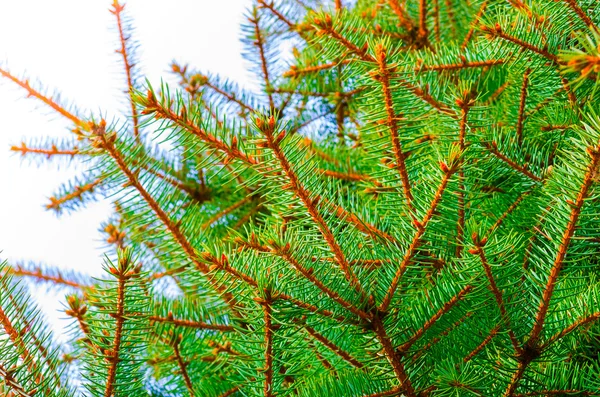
522, 100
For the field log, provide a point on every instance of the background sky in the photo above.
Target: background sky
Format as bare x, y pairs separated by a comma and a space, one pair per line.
69, 46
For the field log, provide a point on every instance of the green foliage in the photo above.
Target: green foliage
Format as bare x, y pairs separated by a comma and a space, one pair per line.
409, 206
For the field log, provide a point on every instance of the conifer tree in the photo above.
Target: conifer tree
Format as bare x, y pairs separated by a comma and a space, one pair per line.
409, 206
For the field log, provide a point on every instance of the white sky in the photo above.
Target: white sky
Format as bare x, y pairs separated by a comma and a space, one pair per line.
69, 46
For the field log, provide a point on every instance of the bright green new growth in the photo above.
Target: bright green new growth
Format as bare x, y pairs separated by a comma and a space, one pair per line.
408, 207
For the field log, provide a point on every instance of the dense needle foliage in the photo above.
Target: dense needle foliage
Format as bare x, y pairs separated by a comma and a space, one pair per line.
409, 206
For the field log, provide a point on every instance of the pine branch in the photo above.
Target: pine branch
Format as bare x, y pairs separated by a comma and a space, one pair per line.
182, 366
190, 323
478, 250
49, 153
420, 226
493, 148
474, 23
123, 51
332, 346
52, 103
392, 357
580, 322
384, 79
496, 31
402, 349
522, 106
268, 130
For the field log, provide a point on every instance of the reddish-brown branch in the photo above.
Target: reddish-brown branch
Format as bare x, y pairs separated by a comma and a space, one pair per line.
483, 344
426, 97
416, 241
522, 100
8, 378
403, 17
338, 5
459, 66
582, 321
153, 106
53, 151
107, 143
112, 355
309, 275
493, 147
39, 275
230, 392
56, 202
309, 202
191, 324
576, 208
116, 11
478, 250
474, 23
320, 357
498, 32
435, 340
423, 32
268, 311
334, 348
295, 72
392, 123
224, 265
326, 27
564, 244
392, 357
508, 211
547, 393
396, 391
582, 15
183, 367
278, 14
259, 43
465, 105
226, 211
47, 100
429, 323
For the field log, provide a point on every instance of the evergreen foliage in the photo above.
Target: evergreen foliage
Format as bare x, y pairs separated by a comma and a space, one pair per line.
409, 206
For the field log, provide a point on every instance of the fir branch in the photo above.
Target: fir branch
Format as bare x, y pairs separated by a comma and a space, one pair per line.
478, 250
577, 206
474, 23
77, 194
483, 344
580, 322
493, 148
268, 129
117, 10
404, 19
260, 44
464, 64
384, 79
396, 391
497, 31
182, 365
402, 349
106, 142
53, 151
522, 100
112, 355
392, 357
38, 274
190, 323
416, 241
332, 346
295, 72
582, 15
52, 103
